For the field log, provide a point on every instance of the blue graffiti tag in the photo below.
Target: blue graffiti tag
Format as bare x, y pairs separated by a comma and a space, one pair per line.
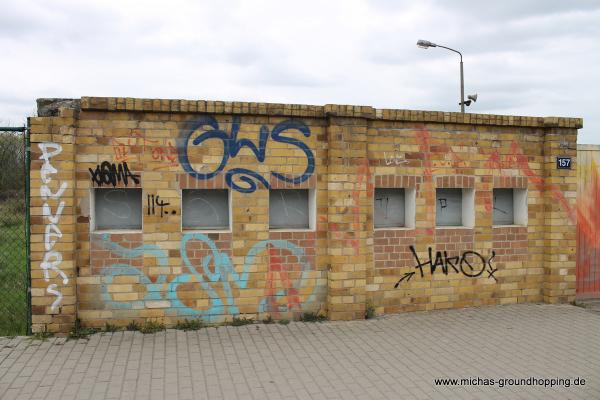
223, 272
232, 146
152, 289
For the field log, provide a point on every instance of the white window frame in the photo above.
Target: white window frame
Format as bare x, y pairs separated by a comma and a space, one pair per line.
467, 207
204, 230
410, 200
520, 207
92, 213
312, 213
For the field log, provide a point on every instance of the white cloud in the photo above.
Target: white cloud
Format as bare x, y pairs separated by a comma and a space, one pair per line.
525, 58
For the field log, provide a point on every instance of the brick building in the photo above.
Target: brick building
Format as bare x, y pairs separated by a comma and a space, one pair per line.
172, 209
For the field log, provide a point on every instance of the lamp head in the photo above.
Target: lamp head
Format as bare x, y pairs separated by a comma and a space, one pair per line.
425, 44
471, 97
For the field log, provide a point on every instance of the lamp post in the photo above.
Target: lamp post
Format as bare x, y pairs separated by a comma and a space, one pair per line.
425, 44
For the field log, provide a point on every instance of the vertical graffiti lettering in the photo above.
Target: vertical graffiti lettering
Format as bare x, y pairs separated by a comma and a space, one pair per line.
52, 258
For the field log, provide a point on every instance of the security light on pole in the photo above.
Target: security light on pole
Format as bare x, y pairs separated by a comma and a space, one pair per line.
425, 44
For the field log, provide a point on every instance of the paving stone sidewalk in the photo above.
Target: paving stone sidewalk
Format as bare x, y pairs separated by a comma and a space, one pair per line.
391, 357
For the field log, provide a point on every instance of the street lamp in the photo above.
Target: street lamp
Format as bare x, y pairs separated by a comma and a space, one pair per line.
425, 44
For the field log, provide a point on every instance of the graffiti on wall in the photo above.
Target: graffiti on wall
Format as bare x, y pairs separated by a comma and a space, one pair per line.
540, 182
470, 263
365, 176
52, 257
588, 221
277, 273
394, 158
121, 148
108, 173
215, 274
153, 201
232, 146
498, 162
126, 149
166, 154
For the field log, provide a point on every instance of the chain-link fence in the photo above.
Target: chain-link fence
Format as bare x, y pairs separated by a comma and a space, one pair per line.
14, 270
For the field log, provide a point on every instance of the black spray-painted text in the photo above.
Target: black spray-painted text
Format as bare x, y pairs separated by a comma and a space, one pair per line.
471, 264
110, 174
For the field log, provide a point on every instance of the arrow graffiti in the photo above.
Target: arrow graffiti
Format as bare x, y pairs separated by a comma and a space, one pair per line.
470, 263
406, 275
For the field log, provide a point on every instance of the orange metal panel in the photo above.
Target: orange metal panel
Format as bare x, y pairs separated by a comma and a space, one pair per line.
588, 221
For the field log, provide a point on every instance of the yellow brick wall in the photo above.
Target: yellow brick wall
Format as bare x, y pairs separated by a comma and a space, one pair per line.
343, 154
53, 236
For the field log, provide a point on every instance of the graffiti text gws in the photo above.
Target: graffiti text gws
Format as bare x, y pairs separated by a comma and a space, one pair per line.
209, 128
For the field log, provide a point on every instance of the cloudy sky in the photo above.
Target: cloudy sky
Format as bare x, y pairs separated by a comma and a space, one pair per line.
523, 57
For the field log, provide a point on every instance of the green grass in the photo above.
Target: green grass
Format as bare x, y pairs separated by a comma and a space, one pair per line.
370, 310
190, 324
108, 327
133, 326
239, 321
13, 274
152, 327
43, 336
80, 332
312, 317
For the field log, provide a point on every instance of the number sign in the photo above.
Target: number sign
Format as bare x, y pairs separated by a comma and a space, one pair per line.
563, 162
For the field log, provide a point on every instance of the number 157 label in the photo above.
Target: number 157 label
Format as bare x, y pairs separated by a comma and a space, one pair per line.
563, 162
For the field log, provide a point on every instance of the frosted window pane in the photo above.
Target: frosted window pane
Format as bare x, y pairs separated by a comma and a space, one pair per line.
503, 207
205, 209
118, 208
288, 208
448, 207
389, 208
